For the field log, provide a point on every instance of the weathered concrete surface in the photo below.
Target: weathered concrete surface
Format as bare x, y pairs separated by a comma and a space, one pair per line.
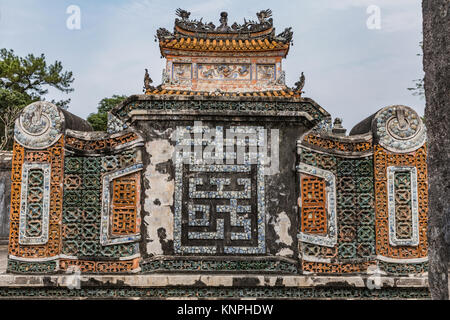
5, 194
3, 258
162, 280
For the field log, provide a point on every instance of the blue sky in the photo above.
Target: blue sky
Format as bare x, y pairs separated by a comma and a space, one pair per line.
350, 70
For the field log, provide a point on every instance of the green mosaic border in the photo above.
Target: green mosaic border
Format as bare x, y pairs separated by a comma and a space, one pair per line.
321, 293
23, 267
403, 269
210, 265
220, 105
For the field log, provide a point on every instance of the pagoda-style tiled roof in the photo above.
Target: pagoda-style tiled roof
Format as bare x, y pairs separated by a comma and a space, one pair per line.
227, 45
199, 36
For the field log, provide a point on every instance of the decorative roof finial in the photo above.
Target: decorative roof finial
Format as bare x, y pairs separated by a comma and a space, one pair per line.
183, 14
264, 15
147, 82
223, 22
338, 129
300, 84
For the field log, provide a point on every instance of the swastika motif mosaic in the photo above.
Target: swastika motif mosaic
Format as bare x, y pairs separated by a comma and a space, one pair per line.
35, 202
220, 208
403, 206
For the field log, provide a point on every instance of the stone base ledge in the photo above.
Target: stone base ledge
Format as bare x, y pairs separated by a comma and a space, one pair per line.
161, 280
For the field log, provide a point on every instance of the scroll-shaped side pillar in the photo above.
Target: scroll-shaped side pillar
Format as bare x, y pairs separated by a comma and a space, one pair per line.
37, 187
401, 190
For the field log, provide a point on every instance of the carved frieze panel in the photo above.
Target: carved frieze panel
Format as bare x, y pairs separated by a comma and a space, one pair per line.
224, 71
181, 72
266, 72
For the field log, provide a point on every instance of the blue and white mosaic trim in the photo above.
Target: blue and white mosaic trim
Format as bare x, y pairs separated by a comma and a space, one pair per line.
330, 240
105, 238
221, 152
43, 238
115, 125
394, 241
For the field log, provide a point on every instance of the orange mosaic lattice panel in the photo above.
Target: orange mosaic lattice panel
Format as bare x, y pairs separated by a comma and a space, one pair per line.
320, 267
124, 205
99, 266
331, 144
89, 145
384, 160
314, 204
55, 157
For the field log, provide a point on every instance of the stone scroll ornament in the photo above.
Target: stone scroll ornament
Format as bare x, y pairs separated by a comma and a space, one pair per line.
39, 126
399, 129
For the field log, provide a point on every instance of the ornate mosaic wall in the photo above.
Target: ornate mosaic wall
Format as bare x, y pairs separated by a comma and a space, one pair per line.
381, 198
348, 243
76, 203
36, 206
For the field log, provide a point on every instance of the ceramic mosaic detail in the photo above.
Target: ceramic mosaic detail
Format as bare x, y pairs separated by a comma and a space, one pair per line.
315, 112
403, 205
330, 239
220, 208
224, 71
47, 246
400, 129
120, 218
220, 293
390, 208
35, 203
39, 126
354, 250
266, 265
115, 125
86, 220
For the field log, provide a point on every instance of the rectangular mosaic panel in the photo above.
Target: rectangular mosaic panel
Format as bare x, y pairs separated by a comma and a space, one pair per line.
35, 201
403, 206
224, 72
315, 196
220, 208
124, 205
314, 210
120, 206
265, 72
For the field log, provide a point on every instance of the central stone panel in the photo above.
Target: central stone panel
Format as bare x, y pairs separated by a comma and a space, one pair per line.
219, 192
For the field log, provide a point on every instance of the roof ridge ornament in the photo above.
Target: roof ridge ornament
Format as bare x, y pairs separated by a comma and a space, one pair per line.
147, 82
250, 29
183, 14
299, 85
